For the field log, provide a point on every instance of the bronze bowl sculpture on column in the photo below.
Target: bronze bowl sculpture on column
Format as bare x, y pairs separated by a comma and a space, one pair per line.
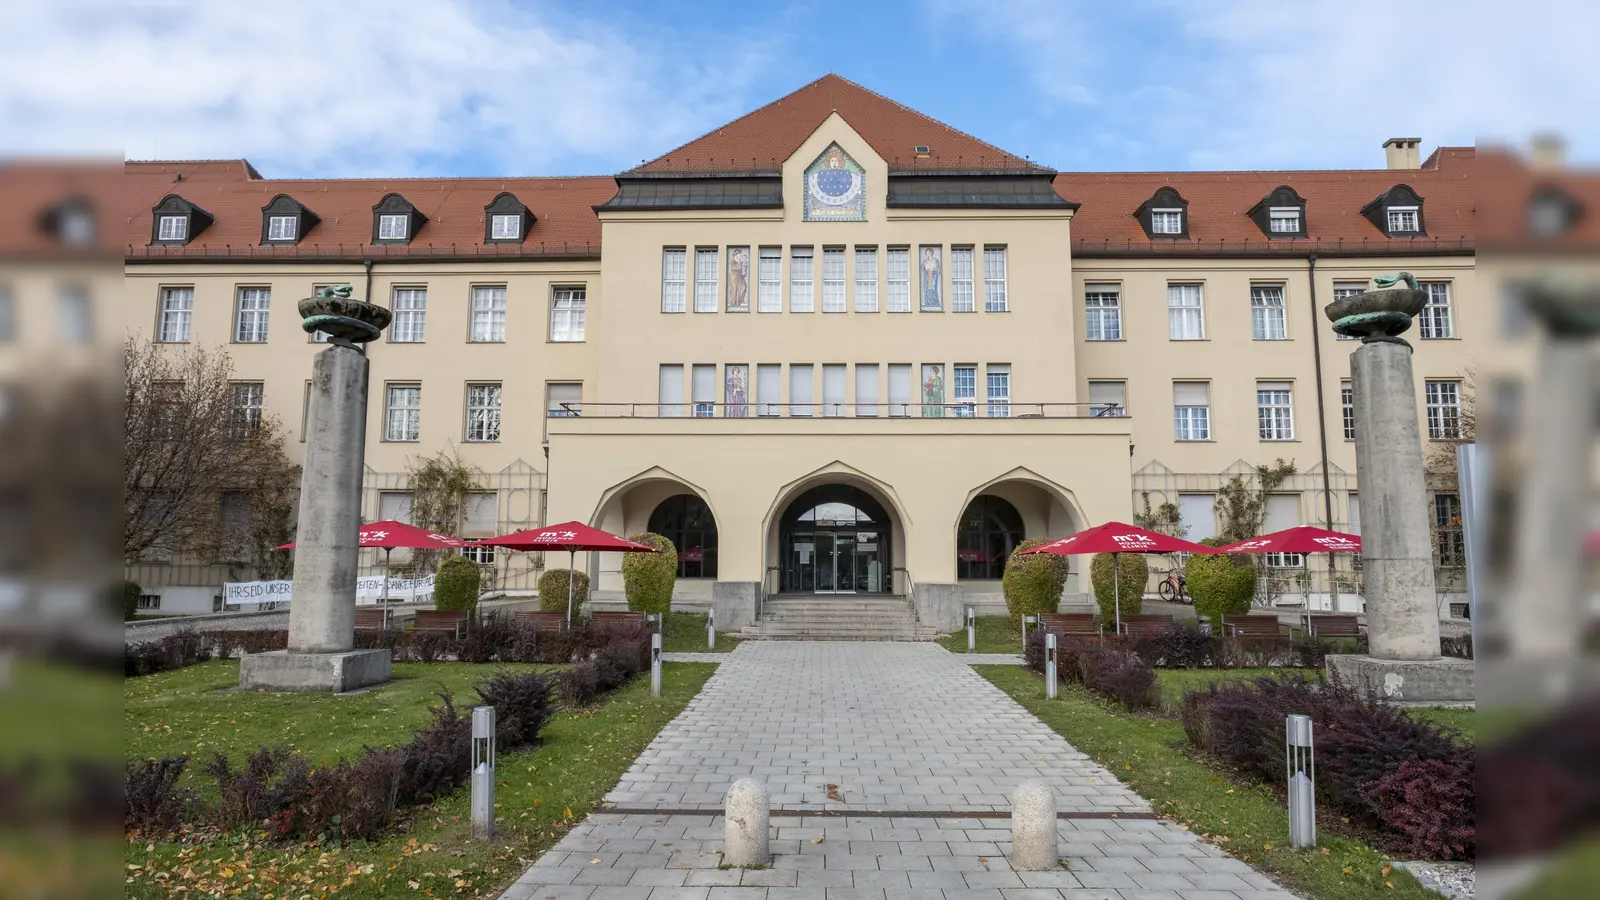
345, 320
1380, 314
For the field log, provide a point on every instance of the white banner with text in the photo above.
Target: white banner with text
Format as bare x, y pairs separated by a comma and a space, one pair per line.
258, 595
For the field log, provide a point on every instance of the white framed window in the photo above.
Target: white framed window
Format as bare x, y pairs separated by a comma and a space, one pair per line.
1109, 398
961, 296
1402, 219
393, 226
563, 400
866, 389
802, 283
1438, 320
801, 389
899, 276
669, 393
705, 279
673, 273
833, 389
74, 314
1347, 410
1275, 410
998, 376
900, 389
483, 413
1444, 409
149, 601
173, 228
1267, 321
1191, 410
703, 391
282, 228
1281, 511
964, 390
866, 279
1166, 221
1284, 219
1186, 312
248, 399
568, 313
478, 553
1343, 289
994, 279
177, 308
769, 280
403, 412
833, 280
410, 315
1102, 306
488, 313
769, 389
506, 227
250, 315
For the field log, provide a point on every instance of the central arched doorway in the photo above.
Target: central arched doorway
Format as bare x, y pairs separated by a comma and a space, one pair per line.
835, 539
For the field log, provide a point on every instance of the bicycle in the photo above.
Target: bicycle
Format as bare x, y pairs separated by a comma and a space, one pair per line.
1173, 589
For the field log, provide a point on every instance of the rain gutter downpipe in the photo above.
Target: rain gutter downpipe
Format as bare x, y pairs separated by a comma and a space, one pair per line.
1322, 430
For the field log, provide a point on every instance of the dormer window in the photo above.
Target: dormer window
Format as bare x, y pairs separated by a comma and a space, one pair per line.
1164, 215
1397, 212
72, 221
176, 221
1552, 212
1284, 219
395, 220
285, 220
506, 220
1280, 214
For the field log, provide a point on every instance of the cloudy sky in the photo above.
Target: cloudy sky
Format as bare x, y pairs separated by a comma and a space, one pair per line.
522, 87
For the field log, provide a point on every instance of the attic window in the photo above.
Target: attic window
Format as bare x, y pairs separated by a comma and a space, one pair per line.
176, 221
76, 226
505, 227
1397, 212
285, 220
1402, 219
1166, 221
173, 228
923, 151
1284, 219
395, 220
393, 227
281, 228
506, 219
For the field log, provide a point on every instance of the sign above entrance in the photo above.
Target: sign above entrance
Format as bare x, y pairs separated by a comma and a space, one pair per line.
835, 188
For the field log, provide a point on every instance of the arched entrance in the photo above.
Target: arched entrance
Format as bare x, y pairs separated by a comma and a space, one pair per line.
685, 520
835, 538
990, 529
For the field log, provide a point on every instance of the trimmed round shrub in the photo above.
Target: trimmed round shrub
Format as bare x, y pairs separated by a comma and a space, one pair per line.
648, 578
457, 586
1134, 573
1032, 582
130, 598
1221, 584
553, 590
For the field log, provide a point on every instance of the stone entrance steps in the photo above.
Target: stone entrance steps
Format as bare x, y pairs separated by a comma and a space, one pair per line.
838, 617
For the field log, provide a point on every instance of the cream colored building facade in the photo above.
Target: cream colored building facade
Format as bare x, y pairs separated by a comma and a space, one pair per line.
764, 379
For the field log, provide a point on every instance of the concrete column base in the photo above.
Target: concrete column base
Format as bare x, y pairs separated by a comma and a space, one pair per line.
938, 606
737, 604
1445, 680
280, 670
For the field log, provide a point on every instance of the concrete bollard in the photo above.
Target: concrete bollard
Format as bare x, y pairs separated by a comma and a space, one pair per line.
744, 828
1033, 828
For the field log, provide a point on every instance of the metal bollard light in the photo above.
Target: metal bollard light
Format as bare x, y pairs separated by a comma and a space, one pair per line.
1050, 665
1300, 762
483, 772
972, 633
655, 664
711, 628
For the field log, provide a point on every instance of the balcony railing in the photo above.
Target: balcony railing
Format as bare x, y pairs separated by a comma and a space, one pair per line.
981, 409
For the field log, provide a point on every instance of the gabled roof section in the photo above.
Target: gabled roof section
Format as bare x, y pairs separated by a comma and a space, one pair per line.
762, 140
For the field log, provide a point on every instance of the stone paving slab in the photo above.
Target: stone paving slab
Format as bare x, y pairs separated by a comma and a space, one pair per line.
889, 726
990, 659
944, 859
685, 656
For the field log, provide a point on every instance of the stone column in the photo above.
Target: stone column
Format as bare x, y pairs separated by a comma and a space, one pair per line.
1397, 544
320, 654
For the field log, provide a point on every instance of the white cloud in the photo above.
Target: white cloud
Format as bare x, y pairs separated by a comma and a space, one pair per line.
354, 87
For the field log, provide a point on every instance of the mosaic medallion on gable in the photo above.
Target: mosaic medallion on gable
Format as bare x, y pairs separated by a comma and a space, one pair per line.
835, 188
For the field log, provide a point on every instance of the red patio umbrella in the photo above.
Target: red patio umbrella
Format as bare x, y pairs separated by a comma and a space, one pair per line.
1592, 545
1116, 538
390, 534
571, 537
1301, 539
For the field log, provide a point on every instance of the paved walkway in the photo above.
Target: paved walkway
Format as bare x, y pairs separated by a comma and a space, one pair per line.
845, 736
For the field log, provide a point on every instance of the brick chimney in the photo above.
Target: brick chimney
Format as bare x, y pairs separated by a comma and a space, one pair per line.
1403, 153
1547, 153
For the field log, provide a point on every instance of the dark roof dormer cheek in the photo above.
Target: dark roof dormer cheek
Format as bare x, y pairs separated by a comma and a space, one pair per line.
395, 220
285, 221
1165, 215
506, 220
175, 222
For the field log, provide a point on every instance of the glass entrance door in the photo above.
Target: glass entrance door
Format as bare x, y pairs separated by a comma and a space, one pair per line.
827, 562
835, 539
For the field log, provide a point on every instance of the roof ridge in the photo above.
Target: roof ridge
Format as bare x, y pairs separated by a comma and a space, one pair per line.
924, 115
764, 106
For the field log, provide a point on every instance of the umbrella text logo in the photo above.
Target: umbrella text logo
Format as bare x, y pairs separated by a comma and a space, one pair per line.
555, 537
1337, 543
1253, 545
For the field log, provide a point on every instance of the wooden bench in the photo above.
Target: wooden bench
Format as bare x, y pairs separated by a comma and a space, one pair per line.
1334, 626
542, 621
1254, 627
1069, 624
616, 619
374, 618
1148, 623
451, 622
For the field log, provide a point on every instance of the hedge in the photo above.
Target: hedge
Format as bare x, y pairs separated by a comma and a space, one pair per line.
1032, 582
131, 592
1220, 584
457, 585
553, 587
648, 578
1135, 573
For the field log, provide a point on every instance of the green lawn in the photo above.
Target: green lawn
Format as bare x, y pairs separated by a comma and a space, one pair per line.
1148, 754
1175, 683
686, 633
540, 793
994, 635
1462, 720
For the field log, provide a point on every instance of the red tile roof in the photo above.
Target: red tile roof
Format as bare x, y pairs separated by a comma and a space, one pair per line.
33, 188
1507, 186
762, 140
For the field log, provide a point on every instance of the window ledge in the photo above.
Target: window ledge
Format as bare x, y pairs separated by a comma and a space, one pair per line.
560, 341
471, 341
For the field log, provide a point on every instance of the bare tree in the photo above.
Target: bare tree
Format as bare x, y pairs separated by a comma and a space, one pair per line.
205, 469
